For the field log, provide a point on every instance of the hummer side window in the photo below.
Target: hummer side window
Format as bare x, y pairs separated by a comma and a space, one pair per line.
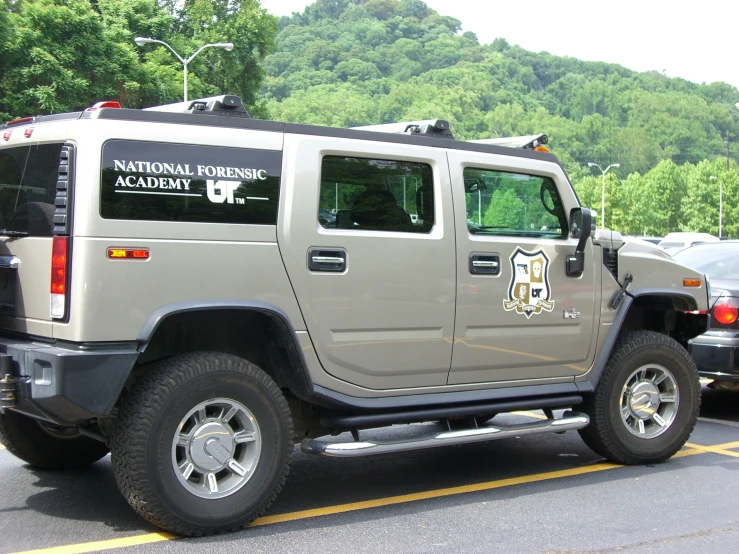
28, 176
513, 204
376, 195
184, 182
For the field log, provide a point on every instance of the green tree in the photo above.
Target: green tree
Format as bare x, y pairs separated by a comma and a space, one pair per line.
64, 55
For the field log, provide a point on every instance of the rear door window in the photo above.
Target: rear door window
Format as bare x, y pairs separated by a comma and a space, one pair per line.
184, 182
28, 177
367, 194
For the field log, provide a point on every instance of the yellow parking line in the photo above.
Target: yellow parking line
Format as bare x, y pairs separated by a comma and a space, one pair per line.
530, 414
349, 507
464, 489
718, 449
368, 504
96, 546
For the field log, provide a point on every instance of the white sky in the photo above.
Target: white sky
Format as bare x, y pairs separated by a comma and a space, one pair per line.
698, 41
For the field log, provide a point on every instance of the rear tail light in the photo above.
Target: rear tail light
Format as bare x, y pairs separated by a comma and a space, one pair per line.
105, 104
725, 311
59, 262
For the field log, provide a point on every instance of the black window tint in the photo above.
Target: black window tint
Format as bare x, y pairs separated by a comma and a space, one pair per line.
182, 182
513, 204
28, 176
376, 195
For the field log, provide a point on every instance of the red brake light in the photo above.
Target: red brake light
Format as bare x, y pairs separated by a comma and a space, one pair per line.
28, 132
6, 135
20, 121
725, 312
106, 104
58, 276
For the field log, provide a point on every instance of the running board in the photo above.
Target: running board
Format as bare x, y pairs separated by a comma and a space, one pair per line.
569, 422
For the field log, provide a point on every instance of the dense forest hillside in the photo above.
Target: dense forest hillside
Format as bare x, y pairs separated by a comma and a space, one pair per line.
359, 62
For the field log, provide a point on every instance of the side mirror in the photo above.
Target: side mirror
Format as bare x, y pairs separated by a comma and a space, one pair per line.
581, 226
474, 185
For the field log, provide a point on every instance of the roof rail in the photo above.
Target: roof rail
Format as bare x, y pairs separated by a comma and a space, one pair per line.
227, 105
529, 141
437, 128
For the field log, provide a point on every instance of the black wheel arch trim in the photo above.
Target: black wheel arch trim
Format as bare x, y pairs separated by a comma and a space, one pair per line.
300, 382
605, 353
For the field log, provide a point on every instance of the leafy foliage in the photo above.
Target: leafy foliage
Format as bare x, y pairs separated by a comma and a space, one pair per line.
359, 62
64, 55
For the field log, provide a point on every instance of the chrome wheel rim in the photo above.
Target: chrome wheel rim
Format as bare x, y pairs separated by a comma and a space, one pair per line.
649, 401
216, 448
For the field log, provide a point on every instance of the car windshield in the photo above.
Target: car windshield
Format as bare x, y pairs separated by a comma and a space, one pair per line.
718, 261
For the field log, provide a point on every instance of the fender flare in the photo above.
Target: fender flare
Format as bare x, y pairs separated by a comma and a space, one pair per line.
300, 383
605, 353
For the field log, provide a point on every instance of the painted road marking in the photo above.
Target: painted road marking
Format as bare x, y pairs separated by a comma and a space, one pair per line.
718, 449
377, 503
530, 414
97, 546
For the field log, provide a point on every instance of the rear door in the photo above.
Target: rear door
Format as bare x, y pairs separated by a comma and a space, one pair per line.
366, 232
28, 185
519, 316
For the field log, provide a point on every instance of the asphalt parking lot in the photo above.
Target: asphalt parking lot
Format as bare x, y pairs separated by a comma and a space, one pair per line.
547, 494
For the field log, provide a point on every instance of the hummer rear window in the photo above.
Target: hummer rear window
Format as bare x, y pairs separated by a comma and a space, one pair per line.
28, 176
183, 182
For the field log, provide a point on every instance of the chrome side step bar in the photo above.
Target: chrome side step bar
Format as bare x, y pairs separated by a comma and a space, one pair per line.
569, 422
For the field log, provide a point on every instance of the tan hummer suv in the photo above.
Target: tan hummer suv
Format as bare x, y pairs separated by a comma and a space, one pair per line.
195, 291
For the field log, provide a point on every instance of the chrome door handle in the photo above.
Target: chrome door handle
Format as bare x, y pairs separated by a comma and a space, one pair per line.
330, 260
485, 263
327, 260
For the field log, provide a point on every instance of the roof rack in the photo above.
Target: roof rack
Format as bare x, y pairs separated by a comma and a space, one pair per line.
529, 141
437, 128
227, 105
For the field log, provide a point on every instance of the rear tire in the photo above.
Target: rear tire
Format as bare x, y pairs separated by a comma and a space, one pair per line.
647, 401
202, 444
46, 447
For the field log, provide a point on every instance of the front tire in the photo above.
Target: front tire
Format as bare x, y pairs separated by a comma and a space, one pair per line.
45, 446
202, 444
647, 401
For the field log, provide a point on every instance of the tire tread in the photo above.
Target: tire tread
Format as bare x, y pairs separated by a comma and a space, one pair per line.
598, 435
137, 413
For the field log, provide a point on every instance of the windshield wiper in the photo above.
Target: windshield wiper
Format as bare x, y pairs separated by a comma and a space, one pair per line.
9, 233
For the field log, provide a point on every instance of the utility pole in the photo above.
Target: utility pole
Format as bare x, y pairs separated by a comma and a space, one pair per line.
603, 192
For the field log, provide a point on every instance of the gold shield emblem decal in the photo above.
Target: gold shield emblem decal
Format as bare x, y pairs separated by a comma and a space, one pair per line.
529, 292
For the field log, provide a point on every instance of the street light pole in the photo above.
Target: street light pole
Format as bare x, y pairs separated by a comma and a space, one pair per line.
720, 204
227, 46
603, 192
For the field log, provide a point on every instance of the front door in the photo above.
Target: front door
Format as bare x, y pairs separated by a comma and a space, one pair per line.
367, 234
519, 316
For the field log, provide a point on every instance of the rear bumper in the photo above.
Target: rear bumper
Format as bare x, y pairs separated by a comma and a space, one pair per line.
64, 385
716, 355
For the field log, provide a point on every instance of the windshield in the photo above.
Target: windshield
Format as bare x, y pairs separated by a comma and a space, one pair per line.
718, 261
28, 176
